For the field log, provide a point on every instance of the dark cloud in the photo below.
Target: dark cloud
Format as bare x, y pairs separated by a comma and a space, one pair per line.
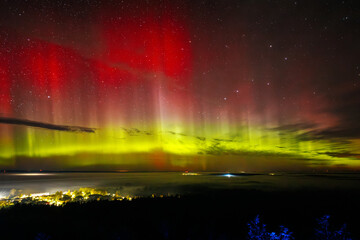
201, 138
49, 126
222, 140
337, 132
176, 133
346, 108
344, 155
295, 127
136, 132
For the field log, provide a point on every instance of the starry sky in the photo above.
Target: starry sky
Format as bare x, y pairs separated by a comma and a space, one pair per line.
229, 85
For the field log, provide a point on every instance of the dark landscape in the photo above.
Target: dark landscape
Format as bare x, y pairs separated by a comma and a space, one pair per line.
177, 206
212, 215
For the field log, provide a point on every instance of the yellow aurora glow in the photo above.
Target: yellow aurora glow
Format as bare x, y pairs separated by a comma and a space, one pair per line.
120, 142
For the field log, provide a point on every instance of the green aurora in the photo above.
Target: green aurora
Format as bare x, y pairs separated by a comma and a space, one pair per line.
177, 150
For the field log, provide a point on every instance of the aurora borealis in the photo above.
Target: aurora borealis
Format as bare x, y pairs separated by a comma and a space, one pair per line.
180, 85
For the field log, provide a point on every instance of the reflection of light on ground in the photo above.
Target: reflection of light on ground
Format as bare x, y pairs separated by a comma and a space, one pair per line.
30, 174
39, 194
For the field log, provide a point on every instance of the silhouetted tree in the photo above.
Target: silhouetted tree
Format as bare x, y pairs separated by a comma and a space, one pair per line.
257, 231
323, 232
42, 236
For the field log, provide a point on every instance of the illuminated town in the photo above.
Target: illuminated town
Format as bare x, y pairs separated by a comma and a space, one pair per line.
60, 198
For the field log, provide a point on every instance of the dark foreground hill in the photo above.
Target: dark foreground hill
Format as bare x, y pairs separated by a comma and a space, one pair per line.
209, 215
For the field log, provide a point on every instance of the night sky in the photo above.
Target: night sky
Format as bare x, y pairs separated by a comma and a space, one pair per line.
180, 85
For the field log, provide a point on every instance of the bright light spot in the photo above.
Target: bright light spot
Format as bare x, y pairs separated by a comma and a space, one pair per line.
228, 175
